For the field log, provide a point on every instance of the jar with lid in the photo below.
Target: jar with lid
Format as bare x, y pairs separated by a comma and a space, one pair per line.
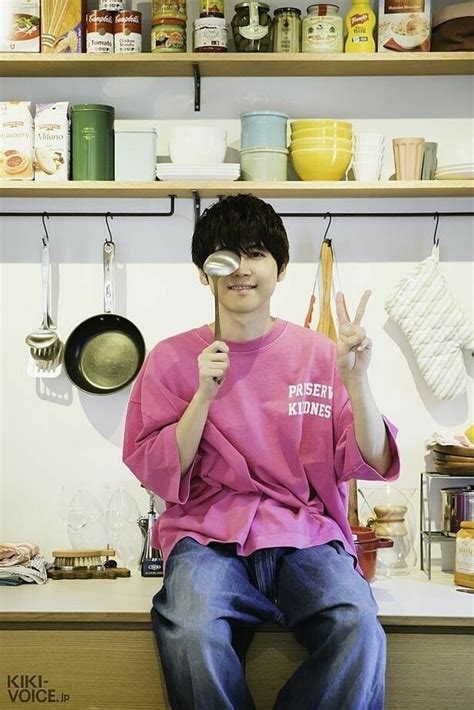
252, 27
169, 9
210, 34
92, 144
211, 8
168, 34
323, 29
464, 559
287, 30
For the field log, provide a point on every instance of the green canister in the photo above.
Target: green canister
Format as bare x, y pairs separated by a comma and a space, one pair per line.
92, 142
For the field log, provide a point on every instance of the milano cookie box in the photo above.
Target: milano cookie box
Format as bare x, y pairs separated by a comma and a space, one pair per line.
404, 26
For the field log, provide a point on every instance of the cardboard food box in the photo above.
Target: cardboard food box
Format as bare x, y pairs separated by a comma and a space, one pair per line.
51, 162
404, 26
62, 26
16, 141
19, 26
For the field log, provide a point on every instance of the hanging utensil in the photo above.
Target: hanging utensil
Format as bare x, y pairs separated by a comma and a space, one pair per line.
218, 264
326, 321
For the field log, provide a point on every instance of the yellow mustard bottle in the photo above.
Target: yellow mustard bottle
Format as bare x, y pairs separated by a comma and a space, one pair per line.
360, 24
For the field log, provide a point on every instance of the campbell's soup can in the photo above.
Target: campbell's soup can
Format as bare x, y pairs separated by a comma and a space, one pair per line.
100, 32
111, 5
128, 31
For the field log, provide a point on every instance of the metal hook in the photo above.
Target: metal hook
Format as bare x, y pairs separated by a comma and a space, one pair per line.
111, 239
45, 237
328, 214
436, 241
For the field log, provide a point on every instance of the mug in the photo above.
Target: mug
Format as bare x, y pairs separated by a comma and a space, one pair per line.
408, 156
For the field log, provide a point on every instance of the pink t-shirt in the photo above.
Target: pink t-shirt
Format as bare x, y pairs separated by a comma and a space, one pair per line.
277, 450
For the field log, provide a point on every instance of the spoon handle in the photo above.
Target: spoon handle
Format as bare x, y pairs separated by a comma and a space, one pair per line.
217, 322
45, 269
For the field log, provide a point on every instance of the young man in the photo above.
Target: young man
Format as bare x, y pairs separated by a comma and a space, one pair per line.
251, 442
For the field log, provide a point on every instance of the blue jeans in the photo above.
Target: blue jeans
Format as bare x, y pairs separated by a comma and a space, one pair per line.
212, 600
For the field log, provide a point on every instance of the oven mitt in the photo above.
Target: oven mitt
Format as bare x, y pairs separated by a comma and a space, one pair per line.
436, 328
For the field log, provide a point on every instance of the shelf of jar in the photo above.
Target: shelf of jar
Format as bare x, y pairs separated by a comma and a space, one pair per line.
236, 64
419, 188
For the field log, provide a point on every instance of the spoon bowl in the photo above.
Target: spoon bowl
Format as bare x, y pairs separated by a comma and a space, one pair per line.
220, 263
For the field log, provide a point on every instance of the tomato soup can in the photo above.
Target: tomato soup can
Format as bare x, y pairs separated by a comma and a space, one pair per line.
128, 31
100, 32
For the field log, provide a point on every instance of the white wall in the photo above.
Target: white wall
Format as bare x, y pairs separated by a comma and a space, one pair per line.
52, 434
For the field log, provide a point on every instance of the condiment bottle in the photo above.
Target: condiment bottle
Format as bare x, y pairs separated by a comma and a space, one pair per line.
287, 30
464, 562
323, 29
211, 8
360, 25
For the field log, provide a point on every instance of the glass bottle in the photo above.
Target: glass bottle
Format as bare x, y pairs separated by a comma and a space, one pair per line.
287, 30
252, 27
360, 25
323, 29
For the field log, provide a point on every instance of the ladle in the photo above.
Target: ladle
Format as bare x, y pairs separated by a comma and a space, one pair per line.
220, 263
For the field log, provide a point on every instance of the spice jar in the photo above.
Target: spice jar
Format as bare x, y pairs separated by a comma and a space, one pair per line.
287, 30
323, 29
211, 8
169, 9
251, 27
168, 34
210, 34
464, 560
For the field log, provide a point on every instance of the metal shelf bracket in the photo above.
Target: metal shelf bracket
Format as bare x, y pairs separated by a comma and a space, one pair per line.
197, 206
197, 87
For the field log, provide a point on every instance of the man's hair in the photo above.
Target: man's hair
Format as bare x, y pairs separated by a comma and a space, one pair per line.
240, 223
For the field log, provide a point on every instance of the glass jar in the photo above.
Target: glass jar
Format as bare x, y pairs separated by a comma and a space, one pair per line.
169, 9
323, 29
287, 30
168, 34
252, 27
210, 34
211, 8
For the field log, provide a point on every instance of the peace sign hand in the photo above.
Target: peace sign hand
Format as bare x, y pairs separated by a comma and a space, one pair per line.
353, 346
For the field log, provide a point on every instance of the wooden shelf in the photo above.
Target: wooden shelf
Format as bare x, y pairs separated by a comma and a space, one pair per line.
421, 188
235, 64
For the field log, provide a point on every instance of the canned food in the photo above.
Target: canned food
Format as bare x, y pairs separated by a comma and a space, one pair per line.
287, 30
111, 5
168, 35
169, 9
210, 34
211, 8
128, 31
100, 32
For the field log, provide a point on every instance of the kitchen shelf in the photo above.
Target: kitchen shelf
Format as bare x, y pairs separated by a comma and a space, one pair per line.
235, 64
420, 188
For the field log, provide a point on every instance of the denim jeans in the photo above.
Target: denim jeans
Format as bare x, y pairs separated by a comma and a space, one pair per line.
212, 600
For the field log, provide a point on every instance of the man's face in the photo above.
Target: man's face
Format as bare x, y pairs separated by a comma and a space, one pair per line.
249, 289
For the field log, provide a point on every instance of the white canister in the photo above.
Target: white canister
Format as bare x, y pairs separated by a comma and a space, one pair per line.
135, 152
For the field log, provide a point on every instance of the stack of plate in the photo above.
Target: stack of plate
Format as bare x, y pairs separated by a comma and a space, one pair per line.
220, 171
456, 171
453, 460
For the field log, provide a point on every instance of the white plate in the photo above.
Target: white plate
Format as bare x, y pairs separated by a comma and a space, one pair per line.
206, 178
469, 175
455, 167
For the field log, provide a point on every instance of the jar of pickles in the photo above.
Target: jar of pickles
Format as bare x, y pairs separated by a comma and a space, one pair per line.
323, 29
163, 9
168, 34
252, 27
211, 8
287, 30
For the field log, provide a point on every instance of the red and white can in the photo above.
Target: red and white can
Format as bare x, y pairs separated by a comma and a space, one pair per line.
100, 32
128, 31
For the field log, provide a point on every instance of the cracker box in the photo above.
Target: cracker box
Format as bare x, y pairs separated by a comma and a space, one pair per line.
19, 26
62, 26
16, 141
404, 26
51, 161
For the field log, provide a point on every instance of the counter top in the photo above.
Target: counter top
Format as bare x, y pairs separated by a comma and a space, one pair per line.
411, 600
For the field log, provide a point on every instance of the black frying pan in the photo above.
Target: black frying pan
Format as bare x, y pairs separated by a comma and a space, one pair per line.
104, 354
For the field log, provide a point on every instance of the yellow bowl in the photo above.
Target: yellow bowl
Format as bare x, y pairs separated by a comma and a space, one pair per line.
320, 123
322, 133
321, 164
331, 143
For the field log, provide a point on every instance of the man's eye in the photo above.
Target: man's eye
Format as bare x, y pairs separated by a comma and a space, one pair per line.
256, 254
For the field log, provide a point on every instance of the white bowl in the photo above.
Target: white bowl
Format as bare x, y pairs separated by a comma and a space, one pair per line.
363, 154
409, 41
197, 145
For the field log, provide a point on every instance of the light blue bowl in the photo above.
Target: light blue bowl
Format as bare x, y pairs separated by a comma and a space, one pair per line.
263, 129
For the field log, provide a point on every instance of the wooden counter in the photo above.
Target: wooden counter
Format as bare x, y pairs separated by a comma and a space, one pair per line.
88, 645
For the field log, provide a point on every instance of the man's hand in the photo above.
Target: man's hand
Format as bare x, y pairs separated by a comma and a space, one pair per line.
213, 363
353, 346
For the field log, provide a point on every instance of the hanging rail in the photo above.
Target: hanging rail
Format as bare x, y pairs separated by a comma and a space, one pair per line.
376, 214
169, 213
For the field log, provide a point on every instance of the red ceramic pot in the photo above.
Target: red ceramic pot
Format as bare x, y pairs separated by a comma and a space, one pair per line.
367, 544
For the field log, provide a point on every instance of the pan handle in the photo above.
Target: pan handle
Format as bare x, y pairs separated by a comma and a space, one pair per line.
108, 254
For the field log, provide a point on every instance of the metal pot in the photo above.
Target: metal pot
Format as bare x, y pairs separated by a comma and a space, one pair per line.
458, 505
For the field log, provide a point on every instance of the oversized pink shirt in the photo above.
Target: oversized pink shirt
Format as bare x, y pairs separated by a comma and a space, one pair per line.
277, 449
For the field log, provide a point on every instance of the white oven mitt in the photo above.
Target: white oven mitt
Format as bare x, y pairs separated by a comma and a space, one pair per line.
435, 326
